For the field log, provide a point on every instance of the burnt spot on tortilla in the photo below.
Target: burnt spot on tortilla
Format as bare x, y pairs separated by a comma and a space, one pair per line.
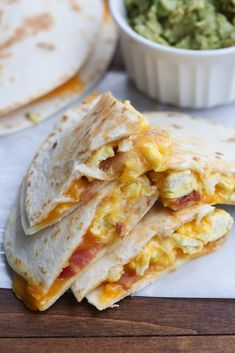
18, 261
29, 183
74, 6
4, 55
30, 27
54, 145
176, 126
196, 159
219, 154
46, 46
42, 270
231, 139
45, 241
54, 232
64, 118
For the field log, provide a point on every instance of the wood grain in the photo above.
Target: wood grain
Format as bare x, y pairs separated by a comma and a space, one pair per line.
135, 316
207, 344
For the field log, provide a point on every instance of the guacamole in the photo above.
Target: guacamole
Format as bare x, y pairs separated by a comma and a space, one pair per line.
186, 24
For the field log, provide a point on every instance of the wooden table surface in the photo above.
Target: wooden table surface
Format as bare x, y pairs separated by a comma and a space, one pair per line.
139, 325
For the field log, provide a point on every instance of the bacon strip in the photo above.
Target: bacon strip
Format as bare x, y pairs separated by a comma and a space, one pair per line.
128, 279
113, 165
79, 260
188, 200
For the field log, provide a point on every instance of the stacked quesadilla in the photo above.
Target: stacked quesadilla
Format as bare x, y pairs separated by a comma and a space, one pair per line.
105, 207
37, 38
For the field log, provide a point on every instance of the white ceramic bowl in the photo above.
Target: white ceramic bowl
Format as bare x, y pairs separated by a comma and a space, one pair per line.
186, 78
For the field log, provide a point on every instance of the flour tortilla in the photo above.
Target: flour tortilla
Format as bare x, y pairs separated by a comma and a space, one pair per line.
77, 87
41, 258
198, 144
42, 45
60, 160
159, 221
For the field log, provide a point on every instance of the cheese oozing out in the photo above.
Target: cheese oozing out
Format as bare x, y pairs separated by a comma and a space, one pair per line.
163, 252
125, 159
110, 221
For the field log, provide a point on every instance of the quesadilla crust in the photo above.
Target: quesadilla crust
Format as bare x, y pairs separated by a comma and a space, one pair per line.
49, 178
159, 221
48, 263
202, 158
127, 280
122, 147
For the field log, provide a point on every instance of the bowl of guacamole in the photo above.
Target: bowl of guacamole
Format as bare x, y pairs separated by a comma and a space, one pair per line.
179, 52
185, 24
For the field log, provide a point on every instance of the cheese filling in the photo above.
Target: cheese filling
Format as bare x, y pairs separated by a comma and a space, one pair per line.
111, 219
126, 160
211, 188
162, 252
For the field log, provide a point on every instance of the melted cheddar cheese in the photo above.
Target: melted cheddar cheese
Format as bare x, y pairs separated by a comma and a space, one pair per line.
162, 252
103, 231
140, 154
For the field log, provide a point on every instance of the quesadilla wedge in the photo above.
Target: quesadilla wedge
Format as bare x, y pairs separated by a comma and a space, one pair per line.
161, 242
112, 141
201, 167
48, 263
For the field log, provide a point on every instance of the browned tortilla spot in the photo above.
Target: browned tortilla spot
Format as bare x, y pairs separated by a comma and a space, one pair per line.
176, 126
30, 27
231, 139
46, 46
74, 6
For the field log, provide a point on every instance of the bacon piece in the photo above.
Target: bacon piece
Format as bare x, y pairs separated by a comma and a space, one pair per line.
79, 260
120, 228
113, 164
188, 200
128, 279
90, 191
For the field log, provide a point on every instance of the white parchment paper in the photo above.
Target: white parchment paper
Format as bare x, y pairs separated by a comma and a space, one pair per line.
211, 276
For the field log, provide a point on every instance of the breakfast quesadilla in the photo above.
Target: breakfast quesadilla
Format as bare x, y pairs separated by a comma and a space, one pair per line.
161, 242
202, 163
36, 37
92, 69
112, 141
47, 263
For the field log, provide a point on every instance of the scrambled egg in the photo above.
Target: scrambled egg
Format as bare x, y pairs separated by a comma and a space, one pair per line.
114, 208
178, 184
161, 252
213, 187
100, 155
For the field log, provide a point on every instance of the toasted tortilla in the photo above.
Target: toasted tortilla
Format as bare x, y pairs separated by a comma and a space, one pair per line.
35, 39
93, 68
61, 159
160, 222
202, 147
39, 260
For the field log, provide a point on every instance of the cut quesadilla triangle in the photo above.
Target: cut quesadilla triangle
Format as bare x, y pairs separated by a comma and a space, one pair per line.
112, 141
48, 263
161, 242
36, 37
202, 163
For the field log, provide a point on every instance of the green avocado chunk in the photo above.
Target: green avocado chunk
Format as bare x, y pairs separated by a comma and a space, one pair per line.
186, 24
